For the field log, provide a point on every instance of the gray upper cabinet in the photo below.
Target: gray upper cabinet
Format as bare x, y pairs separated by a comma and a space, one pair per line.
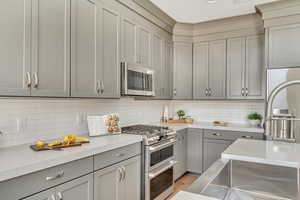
85, 71
15, 48
109, 60
144, 47
167, 70
217, 69
95, 50
129, 40
157, 64
50, 48
200, 71
209, 75
245, 67
119, 182
183, 71
78, 189
283, 46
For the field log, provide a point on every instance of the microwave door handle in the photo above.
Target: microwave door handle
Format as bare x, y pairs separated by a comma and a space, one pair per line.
125, 77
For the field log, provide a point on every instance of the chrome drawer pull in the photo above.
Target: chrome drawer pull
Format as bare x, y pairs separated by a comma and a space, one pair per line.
52, 197
120, 155
247, 137
59, 175
60, 196
28, 77
120, 174
216, 134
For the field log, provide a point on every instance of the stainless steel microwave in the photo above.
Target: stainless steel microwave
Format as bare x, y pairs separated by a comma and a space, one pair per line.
136, 81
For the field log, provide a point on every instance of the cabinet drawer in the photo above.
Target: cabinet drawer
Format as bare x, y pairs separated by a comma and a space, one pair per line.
111, 157
32, 183
230, 135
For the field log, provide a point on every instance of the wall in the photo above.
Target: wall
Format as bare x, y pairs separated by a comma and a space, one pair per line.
229, 111
52, 118
28, 120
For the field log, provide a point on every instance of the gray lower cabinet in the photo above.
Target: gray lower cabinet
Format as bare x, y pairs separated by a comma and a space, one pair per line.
183, 71
195, 150
180, 154
245, 67
209, 70
46, 195
50, 45
78, 189
15, 48
121, 181
95, 50
283, 46
212, 151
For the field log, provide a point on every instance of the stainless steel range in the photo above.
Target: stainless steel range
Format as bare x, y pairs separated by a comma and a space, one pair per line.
158, 160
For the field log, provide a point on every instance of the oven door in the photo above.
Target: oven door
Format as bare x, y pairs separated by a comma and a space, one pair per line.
159, 154
137, 81
160, 181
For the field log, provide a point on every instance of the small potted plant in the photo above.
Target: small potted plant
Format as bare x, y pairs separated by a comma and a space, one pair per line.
180, 114
254, 119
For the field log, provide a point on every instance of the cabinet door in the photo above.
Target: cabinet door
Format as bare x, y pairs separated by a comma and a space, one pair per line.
168, 70
194, 150
180, 154
51, 48
236, 67
107, 183
200, 71
132, 179
183, 71
217, 69
129, 40
78, 189
46, 195
110, 71
144, 47
157, 62
213, 150
15, 47
85, 70
284, 46
255, 67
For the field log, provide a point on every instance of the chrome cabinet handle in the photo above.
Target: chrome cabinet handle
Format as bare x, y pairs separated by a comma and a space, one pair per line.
175, 92
36, 80
124, 173
206, 92
102, 87
120, 174
28, 79
209, 92
52, 197
247, 92
98, 87
60, 196
243, 92
216, 134
120, 155
247, 137
59, 175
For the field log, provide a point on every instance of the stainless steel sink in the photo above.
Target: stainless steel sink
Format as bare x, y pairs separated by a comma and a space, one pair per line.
239, 180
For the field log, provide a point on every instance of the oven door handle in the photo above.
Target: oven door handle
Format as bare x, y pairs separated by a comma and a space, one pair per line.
158, 172
161, 146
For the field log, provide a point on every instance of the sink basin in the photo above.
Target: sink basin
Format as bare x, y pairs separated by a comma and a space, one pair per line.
240, 180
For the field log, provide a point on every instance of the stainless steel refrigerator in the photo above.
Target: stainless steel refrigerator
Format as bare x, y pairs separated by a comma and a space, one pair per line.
286, 104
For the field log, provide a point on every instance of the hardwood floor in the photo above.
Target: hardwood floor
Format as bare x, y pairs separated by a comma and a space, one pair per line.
183, 183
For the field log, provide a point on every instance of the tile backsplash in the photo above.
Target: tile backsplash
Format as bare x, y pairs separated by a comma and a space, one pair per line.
27, 120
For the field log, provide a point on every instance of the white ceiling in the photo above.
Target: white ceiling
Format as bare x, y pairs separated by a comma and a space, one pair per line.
194, 11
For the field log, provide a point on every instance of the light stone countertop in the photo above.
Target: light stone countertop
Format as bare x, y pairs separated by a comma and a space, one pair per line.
190, 196
264, 152
240, 127
20, 160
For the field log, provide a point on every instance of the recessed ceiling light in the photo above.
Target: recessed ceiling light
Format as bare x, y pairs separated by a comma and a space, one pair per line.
211, 1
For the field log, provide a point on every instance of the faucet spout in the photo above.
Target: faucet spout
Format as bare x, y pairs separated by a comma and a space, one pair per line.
271, 97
